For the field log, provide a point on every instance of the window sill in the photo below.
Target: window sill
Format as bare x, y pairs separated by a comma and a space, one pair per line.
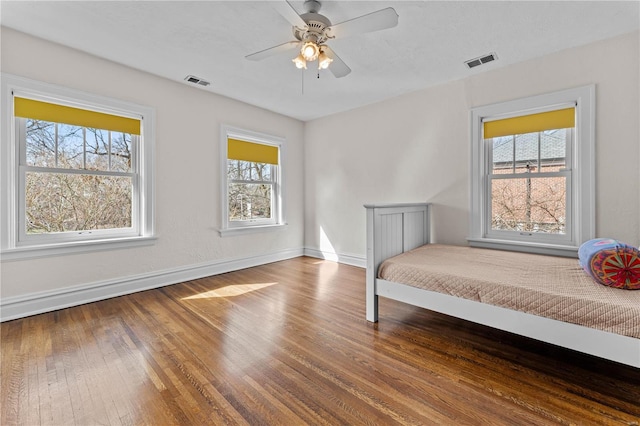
60, 249
526, 247
227, 232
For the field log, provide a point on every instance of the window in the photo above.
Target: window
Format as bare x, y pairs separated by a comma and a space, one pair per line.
79, 170
533, 173
252, 176
529, 176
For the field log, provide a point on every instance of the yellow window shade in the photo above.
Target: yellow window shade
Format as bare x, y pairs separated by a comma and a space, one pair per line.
38, 110
558, 119
249, 151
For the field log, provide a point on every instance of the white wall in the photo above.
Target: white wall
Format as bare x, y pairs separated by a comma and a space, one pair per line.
186, 172
417, 147
411, 148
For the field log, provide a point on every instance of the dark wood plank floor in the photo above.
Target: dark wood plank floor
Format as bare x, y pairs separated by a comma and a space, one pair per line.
288, 344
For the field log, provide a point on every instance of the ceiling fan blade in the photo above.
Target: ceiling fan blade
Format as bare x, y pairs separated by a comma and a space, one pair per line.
258, 56
374, 21
289, 13
337, 67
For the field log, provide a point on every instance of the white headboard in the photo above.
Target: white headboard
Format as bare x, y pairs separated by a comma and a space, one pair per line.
393, 229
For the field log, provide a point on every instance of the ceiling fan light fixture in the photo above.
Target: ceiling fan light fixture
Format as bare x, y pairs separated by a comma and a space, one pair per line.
323, 61
300, 62
310, 51
312, 30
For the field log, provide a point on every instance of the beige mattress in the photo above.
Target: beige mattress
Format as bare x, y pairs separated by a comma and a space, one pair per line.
547, 286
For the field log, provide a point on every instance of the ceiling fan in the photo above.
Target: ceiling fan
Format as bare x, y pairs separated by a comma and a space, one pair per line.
312, 30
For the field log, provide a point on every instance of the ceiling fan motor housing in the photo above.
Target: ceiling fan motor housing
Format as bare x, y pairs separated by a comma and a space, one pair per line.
315, 30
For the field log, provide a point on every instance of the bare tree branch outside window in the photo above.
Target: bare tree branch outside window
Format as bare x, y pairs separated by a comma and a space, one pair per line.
57, 200
250, 190
527, 193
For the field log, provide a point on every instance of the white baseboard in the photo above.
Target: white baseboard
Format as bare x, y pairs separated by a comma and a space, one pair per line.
347, 259
37, 303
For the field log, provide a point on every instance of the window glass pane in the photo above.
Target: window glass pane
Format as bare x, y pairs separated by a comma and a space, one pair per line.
503, 154
535, 204
97, 149
249, 201
121, 149
40, 143
58, 202
249, 171
261, 171
70, 146
527, 153
530, 153
553, 149
41, 147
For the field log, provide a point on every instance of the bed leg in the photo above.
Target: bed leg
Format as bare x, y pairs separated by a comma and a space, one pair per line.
372, 309
372, 269
372, 303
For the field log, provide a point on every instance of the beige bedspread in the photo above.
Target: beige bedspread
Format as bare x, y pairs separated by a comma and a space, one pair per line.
546, 286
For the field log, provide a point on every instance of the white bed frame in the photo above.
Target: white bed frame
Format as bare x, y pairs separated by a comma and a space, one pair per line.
395, 228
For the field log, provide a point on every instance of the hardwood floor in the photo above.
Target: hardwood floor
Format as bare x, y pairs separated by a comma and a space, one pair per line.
288, 344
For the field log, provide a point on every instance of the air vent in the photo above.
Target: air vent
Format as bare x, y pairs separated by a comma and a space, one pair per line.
472, 63
195, 80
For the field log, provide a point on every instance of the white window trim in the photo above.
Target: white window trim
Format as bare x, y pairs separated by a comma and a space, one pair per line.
582, 159
10, 246
227, 228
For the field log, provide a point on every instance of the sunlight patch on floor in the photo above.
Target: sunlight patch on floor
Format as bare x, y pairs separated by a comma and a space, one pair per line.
326, 276
230, 291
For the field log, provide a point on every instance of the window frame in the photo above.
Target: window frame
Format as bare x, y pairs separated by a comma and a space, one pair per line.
581, 182
277, 221
15, 243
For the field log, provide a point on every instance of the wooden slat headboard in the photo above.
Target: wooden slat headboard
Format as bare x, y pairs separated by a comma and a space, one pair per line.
392, 229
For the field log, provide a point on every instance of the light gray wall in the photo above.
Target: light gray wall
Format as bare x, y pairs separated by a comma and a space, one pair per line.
187, 182
417, 147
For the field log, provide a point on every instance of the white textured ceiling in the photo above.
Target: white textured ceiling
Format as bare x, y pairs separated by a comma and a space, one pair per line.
209, 39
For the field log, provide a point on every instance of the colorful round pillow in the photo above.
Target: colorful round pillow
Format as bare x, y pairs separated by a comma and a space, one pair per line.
611, 263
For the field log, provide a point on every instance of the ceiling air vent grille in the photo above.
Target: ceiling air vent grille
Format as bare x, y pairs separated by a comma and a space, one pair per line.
195, 80
472, 63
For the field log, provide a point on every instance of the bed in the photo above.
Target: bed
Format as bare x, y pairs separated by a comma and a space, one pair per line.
478, 285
